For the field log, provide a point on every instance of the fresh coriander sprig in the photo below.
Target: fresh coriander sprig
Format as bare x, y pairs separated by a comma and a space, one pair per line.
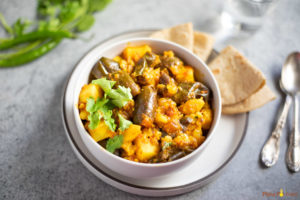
114, 143
124, 123
119, 97
100, 109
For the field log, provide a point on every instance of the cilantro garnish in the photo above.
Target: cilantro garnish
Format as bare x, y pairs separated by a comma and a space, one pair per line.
94, 119
166, 145
98, 110
124, 123
114, 143
106, 85
119, 96
102, 109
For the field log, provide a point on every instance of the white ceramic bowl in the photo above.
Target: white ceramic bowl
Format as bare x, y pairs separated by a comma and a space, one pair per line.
130, 168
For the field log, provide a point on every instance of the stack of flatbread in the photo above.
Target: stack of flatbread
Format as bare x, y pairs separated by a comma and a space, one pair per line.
243, 86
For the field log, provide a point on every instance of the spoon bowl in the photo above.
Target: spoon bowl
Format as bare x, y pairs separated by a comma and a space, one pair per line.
290, 78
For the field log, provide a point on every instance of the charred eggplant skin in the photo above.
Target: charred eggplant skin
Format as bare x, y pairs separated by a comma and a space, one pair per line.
167, 62
145, 106
124, 79
104, 67
164, 78
191, 91
147, 61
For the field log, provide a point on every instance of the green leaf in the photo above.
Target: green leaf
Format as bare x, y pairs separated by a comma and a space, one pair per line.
120, 96
98, 5
105, 108
48, 8
90, 105
94, 119
108, 119
124, 123
20, 26
85, 23
166, 145
7, 28
114, 143
106, 85
69, 11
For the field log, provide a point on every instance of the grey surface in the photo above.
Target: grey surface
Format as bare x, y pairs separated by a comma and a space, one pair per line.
36, 161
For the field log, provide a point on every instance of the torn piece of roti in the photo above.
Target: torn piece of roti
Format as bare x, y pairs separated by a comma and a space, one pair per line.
237, 77
256, 100
181, 34
203, 44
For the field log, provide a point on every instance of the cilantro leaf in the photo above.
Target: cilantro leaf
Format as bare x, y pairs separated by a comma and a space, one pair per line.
105, 109
94, 119
98, 5
69, 11
92, 106
7, 28
20, 26
107, 115
114, 143
85, 23
120, 96
166, 145
106, 85
124, 123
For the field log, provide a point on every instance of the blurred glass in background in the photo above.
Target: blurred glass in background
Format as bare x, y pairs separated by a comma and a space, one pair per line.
245, 15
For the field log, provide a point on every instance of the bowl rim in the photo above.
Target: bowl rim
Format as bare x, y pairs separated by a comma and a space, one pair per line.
217, 107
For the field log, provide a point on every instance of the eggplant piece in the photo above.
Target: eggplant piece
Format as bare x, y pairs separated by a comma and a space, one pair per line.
124, 79
185, 122
148, 61
167, 62
164, 78
139, 71
188, 91
105, 66
145, 106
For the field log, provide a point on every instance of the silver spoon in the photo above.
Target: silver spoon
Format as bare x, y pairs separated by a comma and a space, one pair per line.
291, 82
270, 151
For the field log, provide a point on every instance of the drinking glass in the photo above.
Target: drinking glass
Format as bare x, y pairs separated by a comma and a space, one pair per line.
246, 15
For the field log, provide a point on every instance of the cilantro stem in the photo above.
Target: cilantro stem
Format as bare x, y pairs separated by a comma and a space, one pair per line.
7, 28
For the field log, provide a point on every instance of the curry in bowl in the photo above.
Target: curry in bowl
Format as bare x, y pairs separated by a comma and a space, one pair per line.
146, 107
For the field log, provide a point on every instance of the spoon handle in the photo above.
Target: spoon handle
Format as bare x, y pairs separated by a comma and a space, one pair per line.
271, 149
293, 152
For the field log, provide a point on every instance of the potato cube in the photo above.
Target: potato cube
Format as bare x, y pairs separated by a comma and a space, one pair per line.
135, 53
101, 132
90, 90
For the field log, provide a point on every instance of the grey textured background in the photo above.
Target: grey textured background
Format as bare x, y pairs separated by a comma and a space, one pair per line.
36, 161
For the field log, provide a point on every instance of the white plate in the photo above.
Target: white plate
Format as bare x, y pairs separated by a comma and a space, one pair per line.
227, 138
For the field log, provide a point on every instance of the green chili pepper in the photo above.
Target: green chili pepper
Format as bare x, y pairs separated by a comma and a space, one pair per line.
31, 55
32, 36
22, 50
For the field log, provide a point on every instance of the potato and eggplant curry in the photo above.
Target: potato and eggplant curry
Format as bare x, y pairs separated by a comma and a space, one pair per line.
145, 107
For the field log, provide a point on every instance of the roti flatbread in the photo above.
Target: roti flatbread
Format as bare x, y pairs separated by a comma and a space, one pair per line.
258, 99
181, 34
237, 77
203, 44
